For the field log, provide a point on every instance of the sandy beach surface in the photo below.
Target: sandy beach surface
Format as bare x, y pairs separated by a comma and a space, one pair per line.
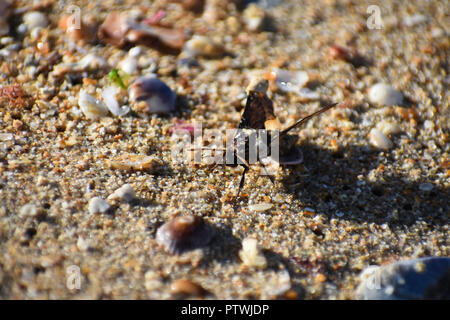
373, 187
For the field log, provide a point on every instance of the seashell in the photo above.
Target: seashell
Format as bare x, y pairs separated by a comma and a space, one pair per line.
119, 29
385, 95
204, 47
91, 107
379, 140
135, 162
159, 37
114, 29
76, 32
422, 278
98, 205
183, 234
254, 17
4, 16
108, 95
125, 193
186, 287
158, 97
35, 19
251, 254
290, 81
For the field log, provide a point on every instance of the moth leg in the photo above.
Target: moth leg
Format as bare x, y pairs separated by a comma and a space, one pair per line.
241, 183
267, 172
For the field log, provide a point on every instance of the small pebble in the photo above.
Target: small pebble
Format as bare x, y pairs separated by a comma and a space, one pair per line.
413, 20
260, 207
98, 205
92, 108
290, 81
251, 254
183, 234
156, 96
385, 95
125, 193
389, 128
202, 46
186, 287
129, 65
254, 17
379, 140
135, 162
35, 19
28, 210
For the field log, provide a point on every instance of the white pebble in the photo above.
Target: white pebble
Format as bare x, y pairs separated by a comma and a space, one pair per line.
202, 46
125, 193
385, 95
379, 140
28, 210
35, 19
389, 128
308, 94
253, 17
129, 65
82, 244
290, 81
98, 205
260, 207
135, 51
91, 107
251, 254
413, 20
108, 95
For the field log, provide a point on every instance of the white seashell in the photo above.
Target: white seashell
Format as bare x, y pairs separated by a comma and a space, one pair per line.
260, 207
98, 205
125, 193
159, 98
91, 107
108, 95
251, 254
129, 65
35, 19
379, 140
385, 95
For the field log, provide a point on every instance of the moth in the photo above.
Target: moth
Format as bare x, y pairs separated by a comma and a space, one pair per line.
259, 115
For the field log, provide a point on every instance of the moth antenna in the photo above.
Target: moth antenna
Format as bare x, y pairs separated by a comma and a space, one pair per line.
305, 119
